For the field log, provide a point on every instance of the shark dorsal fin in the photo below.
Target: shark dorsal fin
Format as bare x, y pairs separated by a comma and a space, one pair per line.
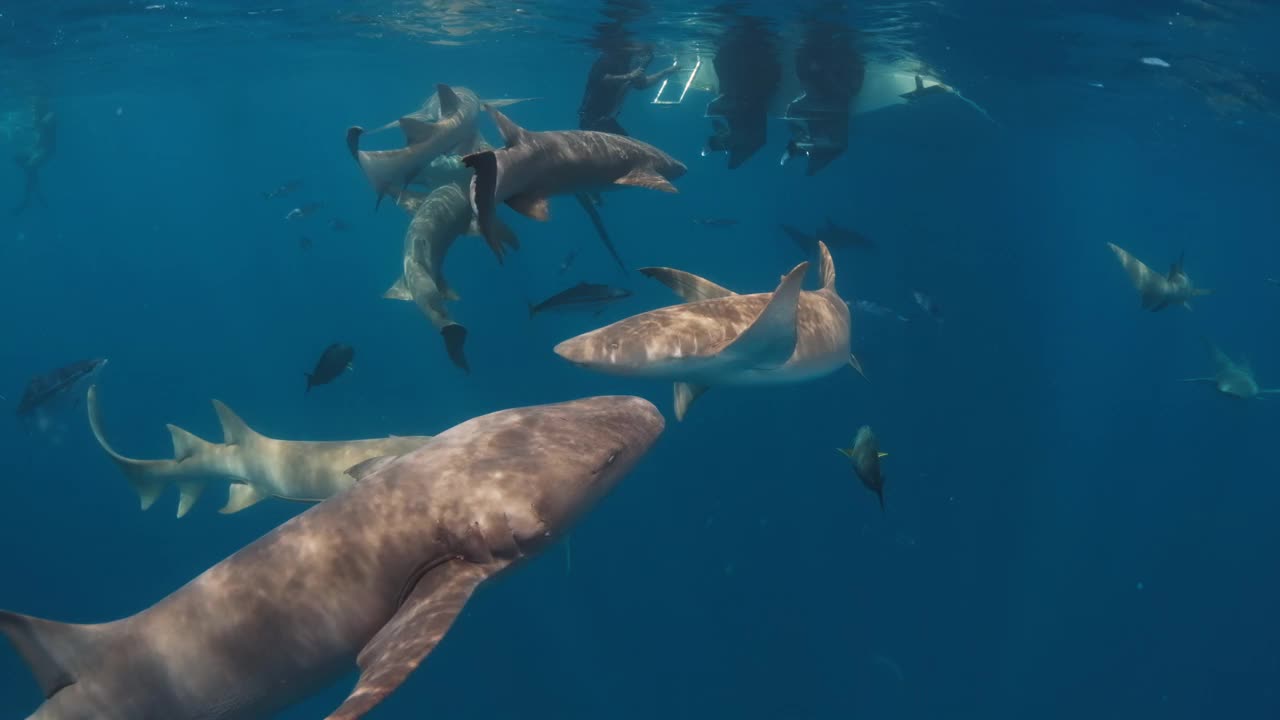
449, 102
511, 133
1176, 269
771, 338
234, 430
919, 83
826, 267
688, 286
417, 131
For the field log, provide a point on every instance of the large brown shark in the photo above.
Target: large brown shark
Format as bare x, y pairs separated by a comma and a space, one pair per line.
438, 219
537, 165
374, 576
721, 338
1232, 378
254, 466
1158, 291
454, 131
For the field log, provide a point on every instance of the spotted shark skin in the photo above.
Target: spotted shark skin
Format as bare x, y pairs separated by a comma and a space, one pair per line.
722, 338
373, 577
1158, 291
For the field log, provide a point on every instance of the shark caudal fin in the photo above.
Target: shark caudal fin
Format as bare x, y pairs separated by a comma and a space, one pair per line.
52, 650
484, 186
455, 336
148, 478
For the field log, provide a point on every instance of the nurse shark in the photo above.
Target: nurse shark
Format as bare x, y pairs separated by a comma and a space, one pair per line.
372, 578
719, 337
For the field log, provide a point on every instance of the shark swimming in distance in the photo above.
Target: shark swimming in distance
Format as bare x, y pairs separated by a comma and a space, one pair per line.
1158, 291
1232, 378
372, 578
718, 337
253, 466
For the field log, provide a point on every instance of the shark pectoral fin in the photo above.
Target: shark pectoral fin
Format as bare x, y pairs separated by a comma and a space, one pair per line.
685, 395
847, 452
241, 496
856, 364
1201, 380
190, 491
449, 102
398, 291
688, 286
882, 454
412, 633
50, 649
369, 466
771, 339
530, 206
416, 131
645, 178
148, 478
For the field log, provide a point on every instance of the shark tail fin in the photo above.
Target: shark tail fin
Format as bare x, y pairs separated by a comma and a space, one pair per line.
484, 186
194, 457
826, 267
353, 140
50, 649
148, 478
455, 338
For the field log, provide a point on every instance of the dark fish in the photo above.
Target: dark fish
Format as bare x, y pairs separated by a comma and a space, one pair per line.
304, 243
928, 304
568, 261
286, 189
44, 388
866, 455
339, 225
307, 210
835, 236
715, 222
583, 296
335, 360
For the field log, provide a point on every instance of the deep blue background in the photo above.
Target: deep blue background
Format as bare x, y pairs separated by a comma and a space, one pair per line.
1070, 531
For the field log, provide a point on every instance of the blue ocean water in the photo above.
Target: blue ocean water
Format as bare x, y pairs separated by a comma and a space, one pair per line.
1069, 530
